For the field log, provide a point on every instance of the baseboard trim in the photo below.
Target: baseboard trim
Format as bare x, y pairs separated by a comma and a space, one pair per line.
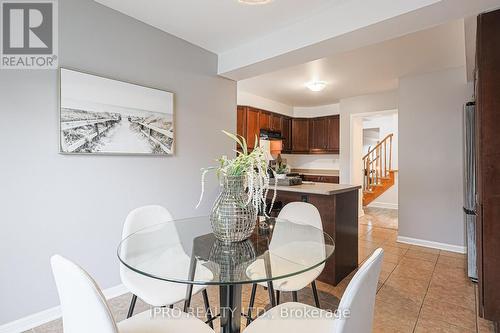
434, 245
115, 291
31, 321
385, 205
45, 316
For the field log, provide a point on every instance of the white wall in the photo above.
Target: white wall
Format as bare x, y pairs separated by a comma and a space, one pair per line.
245, 98
76, 205
430, 165
371, 136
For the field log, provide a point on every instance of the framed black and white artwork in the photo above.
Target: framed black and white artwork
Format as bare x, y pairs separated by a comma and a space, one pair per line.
105, 116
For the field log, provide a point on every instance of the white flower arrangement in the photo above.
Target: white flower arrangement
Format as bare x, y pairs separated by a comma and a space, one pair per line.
253, 166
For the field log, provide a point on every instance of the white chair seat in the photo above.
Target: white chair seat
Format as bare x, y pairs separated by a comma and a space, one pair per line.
158, 292
273, 320
85, 309
355, 313
169, 321
153, 291
281, 266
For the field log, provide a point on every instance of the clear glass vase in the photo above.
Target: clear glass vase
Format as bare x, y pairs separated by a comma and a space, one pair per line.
232, 219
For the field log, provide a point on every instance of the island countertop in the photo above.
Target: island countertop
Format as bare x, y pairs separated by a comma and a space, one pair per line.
319, 188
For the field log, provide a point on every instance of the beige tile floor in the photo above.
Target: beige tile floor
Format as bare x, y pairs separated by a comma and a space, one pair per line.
420, 289
379, 217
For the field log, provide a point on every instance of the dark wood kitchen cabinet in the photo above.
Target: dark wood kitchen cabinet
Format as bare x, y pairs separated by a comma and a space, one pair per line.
488, 164
324, 134
264, 120
318, 134
320, 179
250, 120
241, 120
300, 135
286, 133
247, 124
333, 136
276, 122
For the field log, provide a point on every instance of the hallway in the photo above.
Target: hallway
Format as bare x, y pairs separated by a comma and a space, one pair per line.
380, 217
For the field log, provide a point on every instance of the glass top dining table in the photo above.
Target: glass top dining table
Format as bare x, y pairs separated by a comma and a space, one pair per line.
186, 251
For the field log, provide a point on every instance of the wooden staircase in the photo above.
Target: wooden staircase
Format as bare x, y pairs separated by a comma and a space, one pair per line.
378, 173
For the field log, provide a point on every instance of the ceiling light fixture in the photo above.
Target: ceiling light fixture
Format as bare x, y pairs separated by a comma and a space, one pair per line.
255, 2
316, 85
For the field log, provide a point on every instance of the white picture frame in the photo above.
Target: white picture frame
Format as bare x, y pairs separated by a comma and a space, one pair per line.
98, 115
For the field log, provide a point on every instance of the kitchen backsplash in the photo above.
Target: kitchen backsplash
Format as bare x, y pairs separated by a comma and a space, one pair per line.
326, 162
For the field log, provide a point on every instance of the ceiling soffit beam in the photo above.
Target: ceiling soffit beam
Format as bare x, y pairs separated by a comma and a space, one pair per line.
335, 21
260, 57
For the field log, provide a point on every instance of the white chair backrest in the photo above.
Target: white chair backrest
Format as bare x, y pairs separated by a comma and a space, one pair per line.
359, 297
302, 243
84, 307
144, 217
302, 213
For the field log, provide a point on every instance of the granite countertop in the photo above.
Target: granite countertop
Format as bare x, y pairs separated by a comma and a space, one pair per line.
319, 188
316, 172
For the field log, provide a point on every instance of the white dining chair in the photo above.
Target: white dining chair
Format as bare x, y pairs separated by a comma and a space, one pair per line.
299, 213
153, 291
356, 308
85, 310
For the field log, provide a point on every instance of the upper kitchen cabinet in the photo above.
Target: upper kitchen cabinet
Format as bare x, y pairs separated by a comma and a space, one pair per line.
253, 128
247, 124
241, 120
333, 141
276, 122
324, 133
286, 133
318, 134
264, 120
300, 135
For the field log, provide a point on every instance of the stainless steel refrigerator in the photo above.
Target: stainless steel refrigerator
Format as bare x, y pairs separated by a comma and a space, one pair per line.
470, 188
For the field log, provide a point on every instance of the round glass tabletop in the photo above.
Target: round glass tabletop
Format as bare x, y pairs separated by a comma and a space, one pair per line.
186, 251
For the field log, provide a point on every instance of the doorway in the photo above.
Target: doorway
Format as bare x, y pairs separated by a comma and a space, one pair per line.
374, 165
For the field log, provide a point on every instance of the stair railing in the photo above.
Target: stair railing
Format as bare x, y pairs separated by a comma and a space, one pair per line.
377, 163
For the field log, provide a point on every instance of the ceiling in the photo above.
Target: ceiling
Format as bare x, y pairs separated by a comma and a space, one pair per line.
366, 70
220, 25
251, 40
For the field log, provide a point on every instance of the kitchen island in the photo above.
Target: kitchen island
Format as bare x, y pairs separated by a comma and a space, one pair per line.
338, 207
